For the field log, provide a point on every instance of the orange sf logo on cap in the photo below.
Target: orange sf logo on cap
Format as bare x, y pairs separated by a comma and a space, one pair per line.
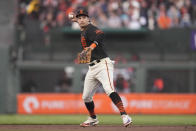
81, 11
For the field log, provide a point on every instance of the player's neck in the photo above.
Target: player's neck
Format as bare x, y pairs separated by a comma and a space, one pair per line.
84, 27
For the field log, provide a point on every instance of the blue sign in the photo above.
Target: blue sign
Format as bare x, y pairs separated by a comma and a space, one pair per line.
193, 40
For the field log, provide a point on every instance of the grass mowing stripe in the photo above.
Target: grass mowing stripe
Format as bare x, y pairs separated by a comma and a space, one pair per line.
104, 119
41, 119
165, 119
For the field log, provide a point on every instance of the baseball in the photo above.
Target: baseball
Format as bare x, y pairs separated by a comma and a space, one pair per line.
71, 16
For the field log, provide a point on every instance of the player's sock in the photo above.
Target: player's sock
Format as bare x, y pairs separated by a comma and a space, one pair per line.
118, 102
90, 106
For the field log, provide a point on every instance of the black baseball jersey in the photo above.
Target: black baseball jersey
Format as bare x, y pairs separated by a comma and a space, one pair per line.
93, 35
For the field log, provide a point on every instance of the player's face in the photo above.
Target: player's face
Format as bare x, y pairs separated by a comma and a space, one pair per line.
83, 21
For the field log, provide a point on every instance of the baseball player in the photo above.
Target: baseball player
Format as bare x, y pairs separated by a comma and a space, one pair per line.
100, 68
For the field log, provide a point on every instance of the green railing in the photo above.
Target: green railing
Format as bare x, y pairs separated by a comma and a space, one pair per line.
69, 30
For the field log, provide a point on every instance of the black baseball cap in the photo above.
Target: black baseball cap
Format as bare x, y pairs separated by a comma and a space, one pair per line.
82, 12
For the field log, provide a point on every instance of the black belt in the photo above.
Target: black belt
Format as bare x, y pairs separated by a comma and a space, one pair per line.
96, 61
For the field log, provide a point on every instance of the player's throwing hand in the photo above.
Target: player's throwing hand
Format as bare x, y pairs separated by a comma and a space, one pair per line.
72, 17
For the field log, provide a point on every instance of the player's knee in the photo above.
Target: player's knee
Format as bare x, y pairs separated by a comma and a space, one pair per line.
110, 92
87, 99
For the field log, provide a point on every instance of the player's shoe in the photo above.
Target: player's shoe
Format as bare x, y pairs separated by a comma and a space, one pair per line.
90, 122
126, 120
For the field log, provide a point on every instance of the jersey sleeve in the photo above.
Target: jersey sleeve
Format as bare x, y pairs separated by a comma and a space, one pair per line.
96, 35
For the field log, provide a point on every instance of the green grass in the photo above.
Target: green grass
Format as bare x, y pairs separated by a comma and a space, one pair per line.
104, 119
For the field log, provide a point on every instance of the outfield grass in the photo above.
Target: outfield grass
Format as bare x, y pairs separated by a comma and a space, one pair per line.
104, 119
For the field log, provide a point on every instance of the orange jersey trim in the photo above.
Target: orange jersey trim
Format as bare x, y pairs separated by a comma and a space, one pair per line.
108, 75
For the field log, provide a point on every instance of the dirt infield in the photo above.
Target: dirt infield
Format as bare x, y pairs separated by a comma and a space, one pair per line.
97, 128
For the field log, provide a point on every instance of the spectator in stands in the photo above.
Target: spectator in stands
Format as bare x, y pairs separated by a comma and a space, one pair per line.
63, 84
190, 8
174, 14
114, 21
121, 84
102, 19
185, 19
164, 22
60, 18
33, 8
158, 85
30, 86
124, 79
120, 59
132, 14
144, 14
152, 14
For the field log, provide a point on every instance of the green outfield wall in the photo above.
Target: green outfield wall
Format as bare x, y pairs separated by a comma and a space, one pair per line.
162, 53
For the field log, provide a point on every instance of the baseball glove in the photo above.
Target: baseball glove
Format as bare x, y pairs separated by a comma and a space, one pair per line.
85, 56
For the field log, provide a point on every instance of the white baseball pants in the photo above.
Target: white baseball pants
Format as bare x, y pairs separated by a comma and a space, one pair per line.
97, 75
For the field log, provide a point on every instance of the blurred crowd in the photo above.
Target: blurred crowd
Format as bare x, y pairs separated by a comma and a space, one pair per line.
124, 80
131, 14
